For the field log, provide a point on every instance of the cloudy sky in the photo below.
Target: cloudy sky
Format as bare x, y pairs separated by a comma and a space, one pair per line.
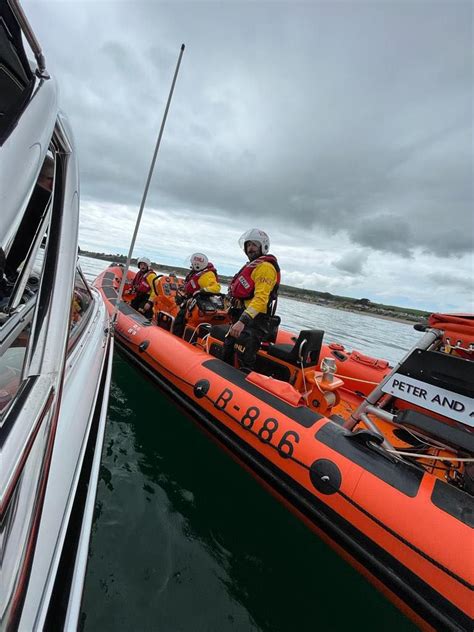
343, 129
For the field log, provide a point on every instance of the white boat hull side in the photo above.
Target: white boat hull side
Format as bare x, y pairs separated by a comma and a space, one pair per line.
83, 372
75, 597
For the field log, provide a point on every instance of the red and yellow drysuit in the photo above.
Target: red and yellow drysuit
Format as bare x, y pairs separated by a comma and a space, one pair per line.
195, 282
205, 280
144, 289
253, 292
256, 286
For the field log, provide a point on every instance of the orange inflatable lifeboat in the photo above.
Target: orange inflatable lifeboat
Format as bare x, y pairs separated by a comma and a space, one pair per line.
383, 473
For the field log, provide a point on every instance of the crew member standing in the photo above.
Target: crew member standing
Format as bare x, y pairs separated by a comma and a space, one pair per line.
253, 293
202, 278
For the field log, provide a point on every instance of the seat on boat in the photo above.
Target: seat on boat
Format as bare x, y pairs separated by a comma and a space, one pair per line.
305, 351
453, 436
272, 331
219, 332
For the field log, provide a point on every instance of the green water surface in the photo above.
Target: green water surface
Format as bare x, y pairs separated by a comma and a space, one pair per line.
184, 539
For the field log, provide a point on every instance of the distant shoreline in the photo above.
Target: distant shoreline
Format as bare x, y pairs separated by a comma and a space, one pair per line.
396, 319
364, 307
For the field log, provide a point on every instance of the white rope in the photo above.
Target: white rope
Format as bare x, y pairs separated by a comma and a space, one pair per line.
431, 457
355, 379
423, 441
196, 329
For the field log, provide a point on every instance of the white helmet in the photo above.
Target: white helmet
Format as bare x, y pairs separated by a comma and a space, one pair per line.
198, 261
259, 236
143, 260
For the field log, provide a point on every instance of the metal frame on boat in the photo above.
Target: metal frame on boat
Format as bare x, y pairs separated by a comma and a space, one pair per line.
55, 350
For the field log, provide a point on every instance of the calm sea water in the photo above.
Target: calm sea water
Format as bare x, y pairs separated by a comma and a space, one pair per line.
185, 540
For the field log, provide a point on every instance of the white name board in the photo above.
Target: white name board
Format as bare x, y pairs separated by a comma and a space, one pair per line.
434, 398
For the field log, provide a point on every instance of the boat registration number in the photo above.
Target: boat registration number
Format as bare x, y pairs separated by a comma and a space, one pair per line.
264, 429
434, 398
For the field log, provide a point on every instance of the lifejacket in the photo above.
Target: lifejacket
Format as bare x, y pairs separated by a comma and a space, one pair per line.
139, 284
242, 286
191, 282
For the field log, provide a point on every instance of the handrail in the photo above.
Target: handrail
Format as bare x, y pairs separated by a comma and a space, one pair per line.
30, 36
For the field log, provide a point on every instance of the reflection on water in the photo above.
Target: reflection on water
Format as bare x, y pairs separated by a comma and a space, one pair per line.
185, 539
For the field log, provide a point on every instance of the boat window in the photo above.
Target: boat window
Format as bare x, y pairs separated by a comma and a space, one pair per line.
21, 268
81, 302
32, 226
11, 368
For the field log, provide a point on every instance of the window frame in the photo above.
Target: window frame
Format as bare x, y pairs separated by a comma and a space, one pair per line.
74, 334
17, 323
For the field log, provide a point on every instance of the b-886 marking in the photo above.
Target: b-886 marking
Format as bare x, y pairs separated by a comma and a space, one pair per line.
266, 431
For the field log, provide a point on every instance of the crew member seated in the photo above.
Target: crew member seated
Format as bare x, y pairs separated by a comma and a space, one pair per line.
201, 279
143, 288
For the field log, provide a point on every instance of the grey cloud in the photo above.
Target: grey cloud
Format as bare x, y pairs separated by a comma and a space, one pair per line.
384, 232
352, 262
450, 281
351, 118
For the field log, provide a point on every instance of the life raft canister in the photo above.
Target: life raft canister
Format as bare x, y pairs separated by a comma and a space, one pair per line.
242, 285
191, 282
